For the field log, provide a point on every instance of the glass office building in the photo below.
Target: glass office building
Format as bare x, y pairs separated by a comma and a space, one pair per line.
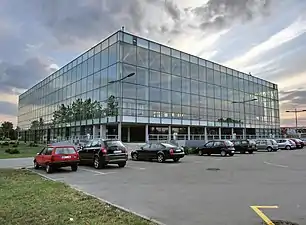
170, 92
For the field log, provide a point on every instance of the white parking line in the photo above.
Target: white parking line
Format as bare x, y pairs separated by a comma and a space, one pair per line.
136, 168
97, 172
278, 165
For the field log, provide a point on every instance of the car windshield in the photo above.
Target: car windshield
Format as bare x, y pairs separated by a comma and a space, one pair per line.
114, 143
65, 150
228, 143
167, 145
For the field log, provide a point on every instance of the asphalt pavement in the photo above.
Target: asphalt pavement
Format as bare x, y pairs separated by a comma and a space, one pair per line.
203, 190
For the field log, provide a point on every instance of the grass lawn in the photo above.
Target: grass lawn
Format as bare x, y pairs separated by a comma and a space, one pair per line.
25, 151
26, 198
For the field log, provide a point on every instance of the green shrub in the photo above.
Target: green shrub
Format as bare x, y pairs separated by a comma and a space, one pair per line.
12, 142
12, 151
190, 151
33, 145
6, 143
15, 145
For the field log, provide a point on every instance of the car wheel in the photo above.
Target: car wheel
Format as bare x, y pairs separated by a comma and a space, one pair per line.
135, 156
97, 163
176, 159
74, 167
200, 152
121, 165
250, 152
223, 153
49, 169
269, 149
160, 158
36, 166
288, 147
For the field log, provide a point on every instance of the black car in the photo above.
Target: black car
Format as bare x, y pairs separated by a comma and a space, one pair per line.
159, 151
99, 153
244, 146
223, 148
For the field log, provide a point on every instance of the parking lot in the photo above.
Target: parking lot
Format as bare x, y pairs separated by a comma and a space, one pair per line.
203, 190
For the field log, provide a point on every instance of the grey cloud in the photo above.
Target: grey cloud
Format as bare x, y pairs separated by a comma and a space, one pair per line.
8, 108
23, 76
172, 9
92, 19
219, 14
296, 98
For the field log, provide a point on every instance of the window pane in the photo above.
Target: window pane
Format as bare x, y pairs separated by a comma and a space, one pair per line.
129, 90
128, 69
90, 66
166, 96
176, 66
154, 78
142, 92
185, 99
89, 82
194, 71
142, 76
104, 58
166, 63
155, 94
165, 81
185, 68
194, 87
142, 57
112, 54
210, 76
186, 85
154, 60
129, 54
96, 80
176, 83
97, 62
176, 98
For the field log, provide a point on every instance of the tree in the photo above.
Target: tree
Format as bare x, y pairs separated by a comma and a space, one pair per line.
7, 129
112, 106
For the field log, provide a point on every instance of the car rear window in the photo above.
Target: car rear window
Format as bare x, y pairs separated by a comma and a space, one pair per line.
168, 145
114, 143
66, 150
228, 143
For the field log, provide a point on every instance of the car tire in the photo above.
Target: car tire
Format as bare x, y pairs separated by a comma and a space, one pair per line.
223, 153
97, 163
200, 152
269, 149
74, 167
135, 156
288, 147
36, 166
122, 164
49, 168
250, 152
176, 159
160, 158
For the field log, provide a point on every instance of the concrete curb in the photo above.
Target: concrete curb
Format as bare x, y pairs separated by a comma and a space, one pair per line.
101, 199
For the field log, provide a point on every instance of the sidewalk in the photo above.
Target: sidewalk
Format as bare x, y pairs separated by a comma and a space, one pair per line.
16, 163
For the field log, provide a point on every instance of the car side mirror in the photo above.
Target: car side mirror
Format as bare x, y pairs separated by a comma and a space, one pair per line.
37, 153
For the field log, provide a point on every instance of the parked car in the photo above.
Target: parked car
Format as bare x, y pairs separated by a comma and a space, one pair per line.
267, 144
299, 143
159, 151
285, 144
57, 156
100, 152
223, 148
304, 140
244, 146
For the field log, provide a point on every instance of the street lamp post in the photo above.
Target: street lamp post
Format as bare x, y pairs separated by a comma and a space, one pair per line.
121, 98
295, 111
244, 114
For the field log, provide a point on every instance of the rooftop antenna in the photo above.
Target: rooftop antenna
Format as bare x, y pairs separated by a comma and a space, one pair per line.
122, 28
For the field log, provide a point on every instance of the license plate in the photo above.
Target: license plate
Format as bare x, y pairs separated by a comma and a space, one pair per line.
66, 157
116, 152
178, 150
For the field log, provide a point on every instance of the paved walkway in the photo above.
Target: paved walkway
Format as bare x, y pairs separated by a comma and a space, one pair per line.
16, 162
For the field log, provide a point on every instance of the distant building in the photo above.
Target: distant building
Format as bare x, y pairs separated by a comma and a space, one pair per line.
171, 92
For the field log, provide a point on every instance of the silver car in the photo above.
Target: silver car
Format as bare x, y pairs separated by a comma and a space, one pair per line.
285, 144
267, 144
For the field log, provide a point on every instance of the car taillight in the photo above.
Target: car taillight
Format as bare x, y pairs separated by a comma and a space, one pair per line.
103, 150
171, 151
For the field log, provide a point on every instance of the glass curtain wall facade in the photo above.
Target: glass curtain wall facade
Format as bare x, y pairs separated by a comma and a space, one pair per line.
169, 88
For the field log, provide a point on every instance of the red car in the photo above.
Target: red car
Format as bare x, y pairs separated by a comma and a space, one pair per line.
298, 142
54, 157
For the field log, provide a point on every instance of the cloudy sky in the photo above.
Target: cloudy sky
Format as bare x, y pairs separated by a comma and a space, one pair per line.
264, 37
